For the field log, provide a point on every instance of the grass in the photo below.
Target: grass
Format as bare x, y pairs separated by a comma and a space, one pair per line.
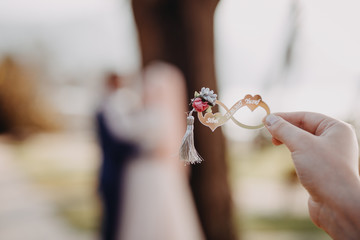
278, 223
253, 166
65, 167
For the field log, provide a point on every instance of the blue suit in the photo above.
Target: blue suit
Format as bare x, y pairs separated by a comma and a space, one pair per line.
115, 156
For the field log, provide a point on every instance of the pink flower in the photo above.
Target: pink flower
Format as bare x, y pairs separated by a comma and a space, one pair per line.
199, 105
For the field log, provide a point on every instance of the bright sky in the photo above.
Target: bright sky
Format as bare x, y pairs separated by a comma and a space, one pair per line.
75, 35
95, 35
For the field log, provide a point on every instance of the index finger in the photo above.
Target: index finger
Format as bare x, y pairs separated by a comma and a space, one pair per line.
314, 123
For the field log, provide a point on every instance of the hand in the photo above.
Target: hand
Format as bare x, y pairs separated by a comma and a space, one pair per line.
325, 154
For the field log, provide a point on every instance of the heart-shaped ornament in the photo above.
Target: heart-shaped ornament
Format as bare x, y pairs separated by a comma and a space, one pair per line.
211, 120
201, 101
252, 102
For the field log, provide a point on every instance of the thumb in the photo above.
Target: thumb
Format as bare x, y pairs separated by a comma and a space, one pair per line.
292, 136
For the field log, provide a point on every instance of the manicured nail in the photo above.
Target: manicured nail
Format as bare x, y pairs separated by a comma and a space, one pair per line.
271, 119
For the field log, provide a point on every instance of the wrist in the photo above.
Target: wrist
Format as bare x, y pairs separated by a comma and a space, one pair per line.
352, 204
346, 208
337, 210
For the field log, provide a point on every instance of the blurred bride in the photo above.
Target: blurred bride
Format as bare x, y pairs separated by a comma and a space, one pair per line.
157, 202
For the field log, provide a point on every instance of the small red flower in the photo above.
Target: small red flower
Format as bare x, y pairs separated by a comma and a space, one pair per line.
199, 105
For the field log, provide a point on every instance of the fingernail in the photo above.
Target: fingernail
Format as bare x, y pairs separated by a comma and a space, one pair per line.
271, 119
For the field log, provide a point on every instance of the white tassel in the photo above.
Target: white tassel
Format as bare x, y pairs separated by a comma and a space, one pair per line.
188, 152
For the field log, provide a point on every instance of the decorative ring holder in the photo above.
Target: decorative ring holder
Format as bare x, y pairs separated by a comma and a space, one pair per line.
216, 120
204, 101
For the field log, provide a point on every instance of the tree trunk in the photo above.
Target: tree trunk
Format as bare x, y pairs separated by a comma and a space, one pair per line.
181, 32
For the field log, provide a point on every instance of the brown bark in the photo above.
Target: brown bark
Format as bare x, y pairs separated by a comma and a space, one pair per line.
181, 32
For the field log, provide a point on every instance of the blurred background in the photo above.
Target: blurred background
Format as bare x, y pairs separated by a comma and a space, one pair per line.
299, 55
